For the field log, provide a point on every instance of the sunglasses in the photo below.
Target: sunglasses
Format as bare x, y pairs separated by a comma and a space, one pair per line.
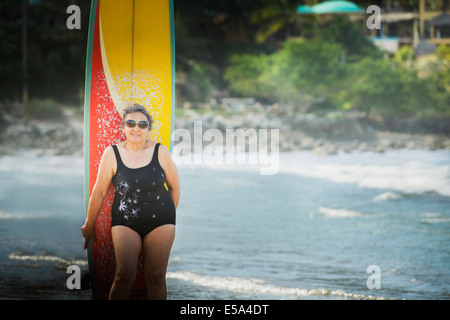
141, 124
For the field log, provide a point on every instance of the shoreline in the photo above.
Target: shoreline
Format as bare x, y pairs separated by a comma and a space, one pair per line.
320, 135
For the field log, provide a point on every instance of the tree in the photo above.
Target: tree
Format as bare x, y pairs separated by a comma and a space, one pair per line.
351, 37
271, 17
381, 87
56, 55
298, 74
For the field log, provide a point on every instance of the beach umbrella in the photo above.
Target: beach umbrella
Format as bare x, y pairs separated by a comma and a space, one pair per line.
336, 6
304, 9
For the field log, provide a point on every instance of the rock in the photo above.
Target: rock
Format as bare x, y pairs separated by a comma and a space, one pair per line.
446, 143
324, 135
363, 146
325, 149
44, 137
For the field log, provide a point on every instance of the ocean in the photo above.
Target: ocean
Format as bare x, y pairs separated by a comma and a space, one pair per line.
344, 226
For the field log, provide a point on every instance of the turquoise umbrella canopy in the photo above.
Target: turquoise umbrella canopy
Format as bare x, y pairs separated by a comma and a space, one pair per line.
304, 9
336, 6
332, 6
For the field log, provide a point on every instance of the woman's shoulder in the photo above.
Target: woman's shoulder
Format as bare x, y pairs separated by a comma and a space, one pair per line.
164, 155
150, 144
109, 153
162, 148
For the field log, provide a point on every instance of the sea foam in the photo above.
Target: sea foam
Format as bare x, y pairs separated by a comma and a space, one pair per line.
259, 286
406, 171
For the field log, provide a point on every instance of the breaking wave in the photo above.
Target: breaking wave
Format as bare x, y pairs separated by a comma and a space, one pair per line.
49, 258
406, 171
252, 285
339, 213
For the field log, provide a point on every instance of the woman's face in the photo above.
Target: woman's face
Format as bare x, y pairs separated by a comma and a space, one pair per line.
136, 134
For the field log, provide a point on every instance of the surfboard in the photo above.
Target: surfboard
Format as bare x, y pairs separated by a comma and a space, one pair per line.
130, 59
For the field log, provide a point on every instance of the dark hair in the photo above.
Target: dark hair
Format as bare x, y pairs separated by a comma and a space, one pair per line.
137, 108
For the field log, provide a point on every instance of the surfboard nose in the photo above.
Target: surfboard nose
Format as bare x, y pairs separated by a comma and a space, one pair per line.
136, 47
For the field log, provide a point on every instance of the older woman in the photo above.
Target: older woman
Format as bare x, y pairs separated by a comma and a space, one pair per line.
143, 212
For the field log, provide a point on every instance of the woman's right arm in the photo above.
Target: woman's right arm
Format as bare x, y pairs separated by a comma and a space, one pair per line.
105, 174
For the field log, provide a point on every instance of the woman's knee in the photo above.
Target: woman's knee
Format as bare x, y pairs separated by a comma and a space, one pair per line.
155, 277
124, 277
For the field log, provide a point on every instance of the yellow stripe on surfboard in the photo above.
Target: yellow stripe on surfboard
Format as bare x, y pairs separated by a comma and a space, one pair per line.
136, 53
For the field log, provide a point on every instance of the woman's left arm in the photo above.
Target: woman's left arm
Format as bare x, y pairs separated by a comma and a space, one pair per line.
170, 170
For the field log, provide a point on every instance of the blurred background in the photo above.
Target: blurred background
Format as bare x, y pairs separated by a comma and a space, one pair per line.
364, 120
280, 59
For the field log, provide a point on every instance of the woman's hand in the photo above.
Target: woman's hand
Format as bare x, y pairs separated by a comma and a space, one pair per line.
88, 232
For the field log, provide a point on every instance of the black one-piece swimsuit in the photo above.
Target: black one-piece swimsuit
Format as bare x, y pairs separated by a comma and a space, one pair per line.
141, 201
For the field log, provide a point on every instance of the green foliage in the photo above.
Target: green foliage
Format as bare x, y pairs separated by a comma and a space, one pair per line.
55, 55
443, 68
439, 80
341, 69
300, 71
204, 78
309, 63
247, 75
380, 86
404, 55
311, 75
337, 67
351, 37
271, 17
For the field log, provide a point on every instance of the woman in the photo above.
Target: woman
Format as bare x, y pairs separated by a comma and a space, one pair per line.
143, 212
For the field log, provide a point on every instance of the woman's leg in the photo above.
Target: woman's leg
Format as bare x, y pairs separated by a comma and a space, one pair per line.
157, 245
127, 246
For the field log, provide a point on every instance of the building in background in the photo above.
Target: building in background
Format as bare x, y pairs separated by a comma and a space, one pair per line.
422, 24
417, 23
